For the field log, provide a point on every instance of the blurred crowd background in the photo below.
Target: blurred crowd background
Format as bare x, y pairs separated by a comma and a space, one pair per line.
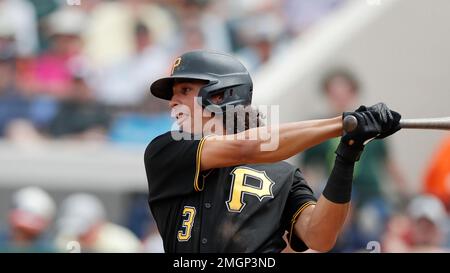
78, 73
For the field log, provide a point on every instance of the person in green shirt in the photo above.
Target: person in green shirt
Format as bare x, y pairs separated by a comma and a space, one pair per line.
371, 189
369, 172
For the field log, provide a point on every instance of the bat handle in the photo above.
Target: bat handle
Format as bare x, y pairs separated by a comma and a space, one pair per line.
349, 123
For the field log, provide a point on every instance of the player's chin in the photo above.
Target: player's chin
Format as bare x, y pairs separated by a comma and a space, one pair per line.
185, 125
183, 119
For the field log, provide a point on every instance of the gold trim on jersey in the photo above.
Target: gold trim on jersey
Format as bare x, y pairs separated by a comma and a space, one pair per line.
197, 164
296, 215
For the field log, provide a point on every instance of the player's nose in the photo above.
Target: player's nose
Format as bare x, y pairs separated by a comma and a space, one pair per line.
173, 101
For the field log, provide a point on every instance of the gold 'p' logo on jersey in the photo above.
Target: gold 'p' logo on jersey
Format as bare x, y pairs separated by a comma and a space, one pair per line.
175, 64
239, 187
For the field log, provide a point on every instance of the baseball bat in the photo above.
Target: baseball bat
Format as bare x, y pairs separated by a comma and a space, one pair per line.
350, 123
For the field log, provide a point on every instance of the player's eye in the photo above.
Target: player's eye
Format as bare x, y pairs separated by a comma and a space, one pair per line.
185, 90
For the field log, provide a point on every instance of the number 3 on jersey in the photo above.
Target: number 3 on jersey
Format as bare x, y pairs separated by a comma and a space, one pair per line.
188, 221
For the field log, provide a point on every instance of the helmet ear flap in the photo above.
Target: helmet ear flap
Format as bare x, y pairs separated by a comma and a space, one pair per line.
204, 97
214, 100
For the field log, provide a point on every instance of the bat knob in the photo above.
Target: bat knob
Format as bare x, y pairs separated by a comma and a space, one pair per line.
349, 123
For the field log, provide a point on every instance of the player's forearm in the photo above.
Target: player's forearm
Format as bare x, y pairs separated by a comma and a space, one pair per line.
322, 226
267, 144
292, 138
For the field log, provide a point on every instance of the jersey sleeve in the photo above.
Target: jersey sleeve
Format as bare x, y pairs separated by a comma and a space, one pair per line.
300, 197
172, 166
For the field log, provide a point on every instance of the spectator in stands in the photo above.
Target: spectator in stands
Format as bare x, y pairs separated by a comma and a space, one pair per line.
13, 104
53, 69
31, 214
79, 115
396, 234
138, 118
109, 36
192, 37
205, 20
260, 34
429, 224
125, 83
156, 16
16, 105
20, 16
82, 219
437, 179
424, 228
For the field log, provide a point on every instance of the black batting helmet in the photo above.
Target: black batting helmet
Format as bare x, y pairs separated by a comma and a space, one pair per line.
222, 73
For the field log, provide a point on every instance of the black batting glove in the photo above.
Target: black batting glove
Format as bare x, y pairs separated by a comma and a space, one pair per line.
352, 143
390, 120
376, 121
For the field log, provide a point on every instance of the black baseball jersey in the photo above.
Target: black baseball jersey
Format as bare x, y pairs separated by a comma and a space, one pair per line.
246, 208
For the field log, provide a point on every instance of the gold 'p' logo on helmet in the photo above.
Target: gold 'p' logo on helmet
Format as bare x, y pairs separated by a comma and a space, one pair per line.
175, 64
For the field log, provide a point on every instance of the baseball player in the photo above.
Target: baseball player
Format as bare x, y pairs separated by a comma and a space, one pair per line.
220, 192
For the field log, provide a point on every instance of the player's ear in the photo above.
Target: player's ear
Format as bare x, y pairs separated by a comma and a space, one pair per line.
217, 98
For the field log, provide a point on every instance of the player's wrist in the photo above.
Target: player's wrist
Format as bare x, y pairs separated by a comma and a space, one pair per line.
339, 185
349, 153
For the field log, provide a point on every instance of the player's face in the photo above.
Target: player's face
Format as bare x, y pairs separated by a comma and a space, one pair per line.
184, 104
341, 95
